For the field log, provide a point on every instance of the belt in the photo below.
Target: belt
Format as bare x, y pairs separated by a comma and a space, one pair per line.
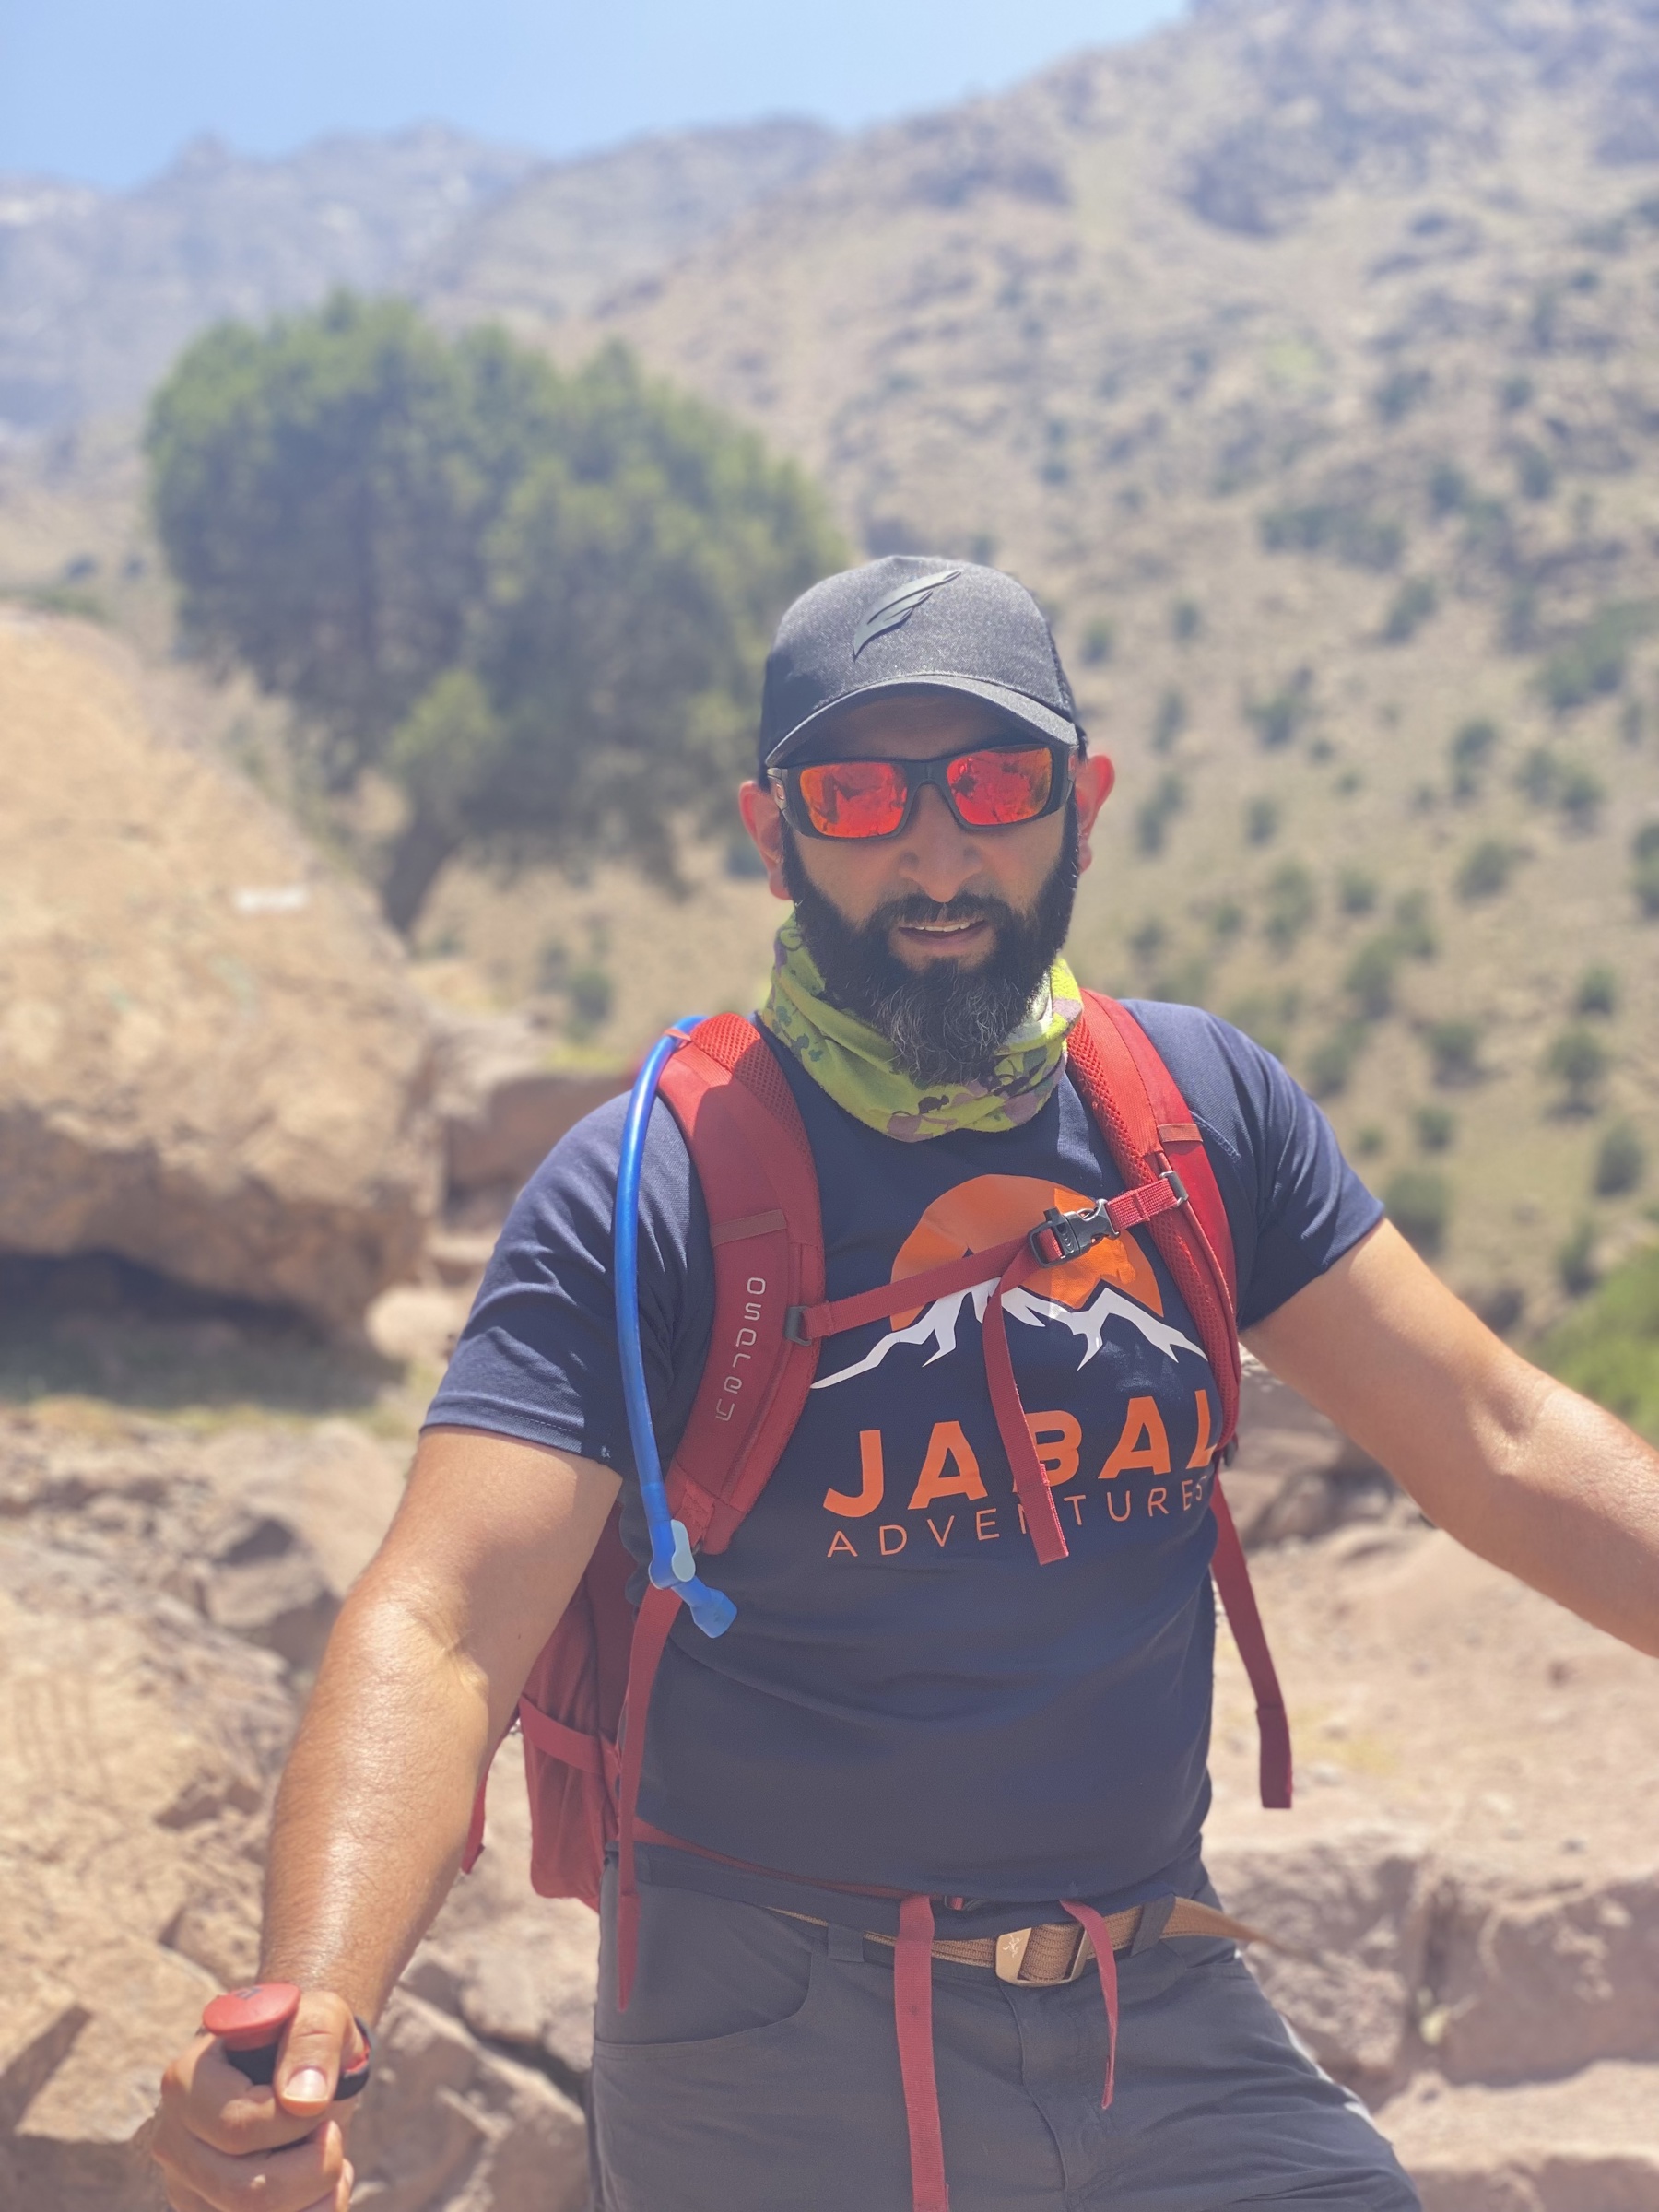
1055, 1952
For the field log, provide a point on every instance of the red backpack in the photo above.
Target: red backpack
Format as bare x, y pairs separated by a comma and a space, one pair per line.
750, 1147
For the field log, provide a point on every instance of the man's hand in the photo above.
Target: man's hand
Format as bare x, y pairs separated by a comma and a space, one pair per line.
222, 2142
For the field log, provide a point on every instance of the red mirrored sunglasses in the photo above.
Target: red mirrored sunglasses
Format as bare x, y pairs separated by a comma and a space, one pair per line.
986, 787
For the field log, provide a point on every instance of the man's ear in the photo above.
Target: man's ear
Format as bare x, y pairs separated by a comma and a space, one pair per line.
763, 818
1092, 784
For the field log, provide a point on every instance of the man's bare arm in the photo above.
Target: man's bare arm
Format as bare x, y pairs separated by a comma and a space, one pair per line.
1513, 1464
418, 1682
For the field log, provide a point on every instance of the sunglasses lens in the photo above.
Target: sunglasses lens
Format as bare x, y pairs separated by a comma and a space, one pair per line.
854, 798
995, 788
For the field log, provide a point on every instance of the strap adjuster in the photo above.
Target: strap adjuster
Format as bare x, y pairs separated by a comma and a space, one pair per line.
794, 1325
1060, 1237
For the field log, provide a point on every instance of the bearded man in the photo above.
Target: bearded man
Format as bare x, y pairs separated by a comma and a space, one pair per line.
910, 1711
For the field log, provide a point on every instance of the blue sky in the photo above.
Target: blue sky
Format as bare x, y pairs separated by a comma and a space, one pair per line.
108, 90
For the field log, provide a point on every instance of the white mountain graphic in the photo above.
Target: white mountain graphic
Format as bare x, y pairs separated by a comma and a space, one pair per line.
937, 1327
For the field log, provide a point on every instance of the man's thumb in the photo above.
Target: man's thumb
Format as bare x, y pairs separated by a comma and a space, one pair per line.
321, 2038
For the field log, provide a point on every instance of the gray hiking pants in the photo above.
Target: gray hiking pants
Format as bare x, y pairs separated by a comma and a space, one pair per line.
755, 2070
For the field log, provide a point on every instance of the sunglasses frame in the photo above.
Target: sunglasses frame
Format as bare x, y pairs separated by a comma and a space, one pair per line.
785, 784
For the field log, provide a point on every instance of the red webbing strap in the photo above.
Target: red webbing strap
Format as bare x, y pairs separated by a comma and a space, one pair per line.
1143, 1115
905, 1292
571, 1746
1030, 1484
1099, 1934
912, 2014
1243, 1617
652, 1624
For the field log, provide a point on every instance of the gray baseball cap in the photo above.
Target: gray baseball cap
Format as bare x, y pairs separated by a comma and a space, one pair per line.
912, 622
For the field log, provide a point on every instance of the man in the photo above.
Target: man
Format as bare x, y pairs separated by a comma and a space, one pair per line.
908, 1702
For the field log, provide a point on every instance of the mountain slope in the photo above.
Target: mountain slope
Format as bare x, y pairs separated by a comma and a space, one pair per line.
1306, 360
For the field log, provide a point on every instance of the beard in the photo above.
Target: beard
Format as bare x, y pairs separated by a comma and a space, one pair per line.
946, 1023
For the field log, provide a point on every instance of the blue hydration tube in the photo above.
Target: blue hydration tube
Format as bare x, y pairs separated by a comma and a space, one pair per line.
673, 1565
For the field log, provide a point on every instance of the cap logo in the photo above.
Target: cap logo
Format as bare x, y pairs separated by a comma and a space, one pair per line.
893, 613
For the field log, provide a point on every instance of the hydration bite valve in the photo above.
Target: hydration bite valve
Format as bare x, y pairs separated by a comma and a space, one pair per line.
249, 2024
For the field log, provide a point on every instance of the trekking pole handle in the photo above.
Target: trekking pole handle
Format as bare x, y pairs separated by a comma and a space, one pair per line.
248, 2025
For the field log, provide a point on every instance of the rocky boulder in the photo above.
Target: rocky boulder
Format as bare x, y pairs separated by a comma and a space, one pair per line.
211, 1061
149, 1690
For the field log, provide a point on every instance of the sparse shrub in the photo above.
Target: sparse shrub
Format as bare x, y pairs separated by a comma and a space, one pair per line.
1370, 1140
1597, 991
1358, 537
1575, 1261
1170, 720
1469, 752
553, 961
1226, 921
1370, 981
1487, 868
1411, 606
1357, 891
1539, 776
1515, 392
1449, 489
1186, 620
1592, 664
1644, 851
1621, 1161
1535, 472
1292, 904
1148, 938
1266, 1020
1156, 811
1580, 796
1632, 722
1413, 926
742, 860
1578, 1060
1500, 1306
1418, 1202
1436, 1126
1279, 720
1401, 391
1454, 1051
1331, 1062
591, 995
1100, 642
1262, 816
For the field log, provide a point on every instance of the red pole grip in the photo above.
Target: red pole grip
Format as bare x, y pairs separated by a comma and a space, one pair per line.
249, 2023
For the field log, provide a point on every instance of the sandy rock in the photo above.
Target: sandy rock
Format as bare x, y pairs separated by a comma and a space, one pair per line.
502, 1107
520, 1970
1348, 1916
210, 1059
1542, 1983
1586, 2144
139, 1744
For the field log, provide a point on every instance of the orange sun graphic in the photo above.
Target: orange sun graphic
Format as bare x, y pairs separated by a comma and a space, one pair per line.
992, 1209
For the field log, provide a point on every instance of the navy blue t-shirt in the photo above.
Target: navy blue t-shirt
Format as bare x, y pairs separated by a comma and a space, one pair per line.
907, 1699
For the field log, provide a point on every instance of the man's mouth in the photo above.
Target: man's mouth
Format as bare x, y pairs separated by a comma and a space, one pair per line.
957, 936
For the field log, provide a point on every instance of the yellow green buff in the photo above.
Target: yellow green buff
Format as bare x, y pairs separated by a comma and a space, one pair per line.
855, 1062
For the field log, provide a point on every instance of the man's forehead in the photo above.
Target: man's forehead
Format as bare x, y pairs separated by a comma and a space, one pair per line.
917, 724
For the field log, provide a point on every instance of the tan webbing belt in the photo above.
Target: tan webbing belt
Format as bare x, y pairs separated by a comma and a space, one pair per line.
1052, 1953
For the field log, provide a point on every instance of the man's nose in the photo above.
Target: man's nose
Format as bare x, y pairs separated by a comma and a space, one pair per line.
937, 853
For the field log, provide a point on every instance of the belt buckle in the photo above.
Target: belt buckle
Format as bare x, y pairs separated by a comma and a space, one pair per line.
1010, 1957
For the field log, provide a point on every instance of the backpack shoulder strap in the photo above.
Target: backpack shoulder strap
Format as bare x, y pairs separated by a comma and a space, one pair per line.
748, 1148
1150, 1131
1149, 1128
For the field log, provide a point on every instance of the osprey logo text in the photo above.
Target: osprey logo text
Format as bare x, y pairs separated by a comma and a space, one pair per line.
894, 612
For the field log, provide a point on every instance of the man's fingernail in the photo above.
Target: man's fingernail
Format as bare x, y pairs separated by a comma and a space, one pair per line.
308, 2087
